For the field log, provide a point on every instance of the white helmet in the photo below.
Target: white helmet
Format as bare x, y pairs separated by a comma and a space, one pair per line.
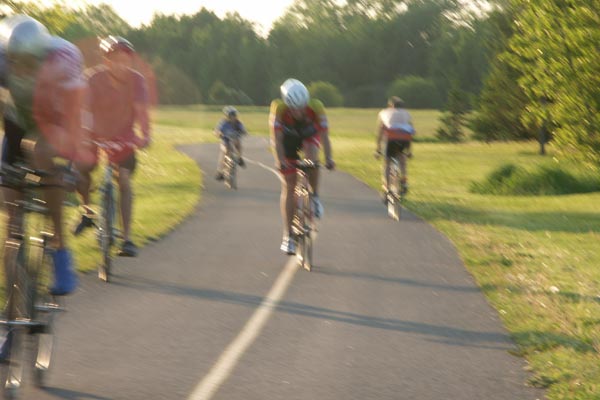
294, 93
28, 37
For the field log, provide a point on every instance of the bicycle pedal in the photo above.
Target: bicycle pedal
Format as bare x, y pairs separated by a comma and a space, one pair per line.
49, 307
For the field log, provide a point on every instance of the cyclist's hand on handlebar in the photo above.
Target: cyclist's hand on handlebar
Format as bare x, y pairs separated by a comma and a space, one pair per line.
330, 164
143, 142
283, 165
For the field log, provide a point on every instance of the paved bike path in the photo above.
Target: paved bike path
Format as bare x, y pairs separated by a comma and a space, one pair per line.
388, 313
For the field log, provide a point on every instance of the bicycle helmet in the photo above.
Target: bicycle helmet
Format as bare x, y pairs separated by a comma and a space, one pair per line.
229, 111
294, 93
114, 43
25, 37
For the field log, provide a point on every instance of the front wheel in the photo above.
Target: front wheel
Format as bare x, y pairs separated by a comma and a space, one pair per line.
17, 316
106, 236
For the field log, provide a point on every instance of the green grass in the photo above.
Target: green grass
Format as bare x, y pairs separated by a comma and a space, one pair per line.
546, 179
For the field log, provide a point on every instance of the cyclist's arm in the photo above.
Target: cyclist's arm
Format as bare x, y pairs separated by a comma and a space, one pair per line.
140, 109
380, 134
323, 129
275, 128
143, 119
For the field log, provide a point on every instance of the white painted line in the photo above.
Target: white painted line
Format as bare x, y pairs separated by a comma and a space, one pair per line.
219, 373
273, 170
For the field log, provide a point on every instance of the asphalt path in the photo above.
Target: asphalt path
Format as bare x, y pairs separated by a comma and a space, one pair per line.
215, 310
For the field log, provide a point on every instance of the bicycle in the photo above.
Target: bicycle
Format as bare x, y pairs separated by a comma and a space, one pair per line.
106, 233
303, 223
395, 193
230, 163
30, 306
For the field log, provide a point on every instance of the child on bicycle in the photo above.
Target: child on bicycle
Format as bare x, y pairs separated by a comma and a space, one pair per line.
230, 130
395, 124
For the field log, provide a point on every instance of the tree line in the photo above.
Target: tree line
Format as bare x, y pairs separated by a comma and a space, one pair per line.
522, 69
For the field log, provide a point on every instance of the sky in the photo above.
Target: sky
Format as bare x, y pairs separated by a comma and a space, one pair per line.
137, 12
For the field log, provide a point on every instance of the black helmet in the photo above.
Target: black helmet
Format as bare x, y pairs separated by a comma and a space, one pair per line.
114, 43
230, 111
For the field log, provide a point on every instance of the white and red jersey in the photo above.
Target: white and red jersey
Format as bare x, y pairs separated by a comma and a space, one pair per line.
396, 124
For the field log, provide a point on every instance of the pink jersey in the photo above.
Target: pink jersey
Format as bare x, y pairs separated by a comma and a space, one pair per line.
110, 102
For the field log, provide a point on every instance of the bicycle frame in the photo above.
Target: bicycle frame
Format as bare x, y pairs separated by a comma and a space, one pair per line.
303, 224
30, 307
105, 229
230, 164
395, 194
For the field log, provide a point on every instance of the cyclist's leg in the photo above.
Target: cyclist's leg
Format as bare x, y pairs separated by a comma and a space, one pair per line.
84, 181
391, 150
42, 155
65, 279
311, 147
126, 169
405, 147
221, 157
237, 143
288, 201
288, 185
11, 153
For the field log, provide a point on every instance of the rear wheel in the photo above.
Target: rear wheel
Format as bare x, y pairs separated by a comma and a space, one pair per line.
106, 235
393, 195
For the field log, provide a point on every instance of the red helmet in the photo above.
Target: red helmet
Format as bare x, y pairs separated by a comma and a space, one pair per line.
116, 43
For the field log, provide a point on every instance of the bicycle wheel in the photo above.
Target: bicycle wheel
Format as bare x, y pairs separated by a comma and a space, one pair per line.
106, 234
233, 174
44, 310
393, 204
307, 248
16, 313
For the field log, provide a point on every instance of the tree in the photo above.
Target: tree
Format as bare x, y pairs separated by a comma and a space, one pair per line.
555, 48
327, 93
173, 85
453, 120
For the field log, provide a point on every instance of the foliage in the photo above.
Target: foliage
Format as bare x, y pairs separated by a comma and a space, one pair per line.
221, 94
327, 93
555, 47
453, 120
545, 180
173, 85
416, 92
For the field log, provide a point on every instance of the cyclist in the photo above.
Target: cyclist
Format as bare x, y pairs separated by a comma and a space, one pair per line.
395, 124
297, 122
45, 82
117, 100
229, 129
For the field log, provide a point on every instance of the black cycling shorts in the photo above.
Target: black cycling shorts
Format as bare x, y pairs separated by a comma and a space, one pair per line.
395, 147
11, 144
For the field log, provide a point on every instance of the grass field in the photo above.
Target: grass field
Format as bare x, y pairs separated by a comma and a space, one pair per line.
535, 258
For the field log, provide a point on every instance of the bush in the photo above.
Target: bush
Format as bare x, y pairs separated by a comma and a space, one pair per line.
219, 93
327, 93
416, 92
373, 95
546, 180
